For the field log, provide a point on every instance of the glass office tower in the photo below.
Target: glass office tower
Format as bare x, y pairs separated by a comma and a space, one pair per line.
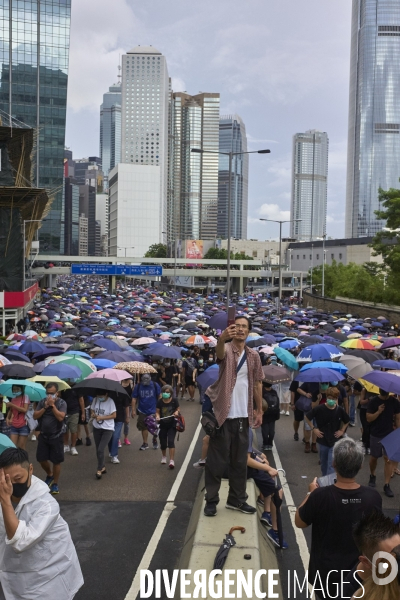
232, 138
33, 90
373, 158
110, 130
309, 185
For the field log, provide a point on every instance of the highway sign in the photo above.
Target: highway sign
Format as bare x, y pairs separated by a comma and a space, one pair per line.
102, 269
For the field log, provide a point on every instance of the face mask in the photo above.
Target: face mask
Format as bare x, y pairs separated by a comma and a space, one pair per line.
155, 365
324, 386
331, 403
101, 398
200, 362
145, 381
166, 395
52, 395
16, 394
333, 383
167, 364
210, 360
20, 489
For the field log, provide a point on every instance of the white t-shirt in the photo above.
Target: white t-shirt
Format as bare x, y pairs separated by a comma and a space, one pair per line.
240, 394
104, 408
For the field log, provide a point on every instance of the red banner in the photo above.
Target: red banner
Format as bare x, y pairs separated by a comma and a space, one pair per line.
20, 299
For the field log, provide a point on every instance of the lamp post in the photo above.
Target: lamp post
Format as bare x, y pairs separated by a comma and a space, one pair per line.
323, 266
280, 253
24, 251
230, 155
125, 248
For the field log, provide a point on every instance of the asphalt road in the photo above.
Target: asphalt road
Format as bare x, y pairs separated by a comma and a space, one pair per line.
112, 520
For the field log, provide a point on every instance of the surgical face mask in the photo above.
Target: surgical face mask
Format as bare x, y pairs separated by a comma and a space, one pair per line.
210, 360
331, 403
15, 394
52, 395
167, 364
200, 362
155, 365
333, 383
166, 395
324, 386
101, 398
20, 489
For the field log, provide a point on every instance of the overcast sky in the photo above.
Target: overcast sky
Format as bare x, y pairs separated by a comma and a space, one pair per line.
282, 65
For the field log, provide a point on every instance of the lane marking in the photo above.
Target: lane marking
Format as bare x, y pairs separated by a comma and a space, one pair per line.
168, 508
300, 537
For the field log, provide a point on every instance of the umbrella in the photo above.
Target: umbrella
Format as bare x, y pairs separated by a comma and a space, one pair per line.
103, 363
391, 444
227, 544
163, 351
4, 361
218, 321
289, 344
390, 343
197, 340
319, 352
13, 355
143, 341
85, 366
49, 379
385, 381
287, 358
370, 356
5, 443
91, 387
321, 375
14, 370
209, 377
115, 356
107, 344
34, 390
386, 364
351, 361
112, 374
275, 374
358, 344
63, 371
135, 368
359, 371
31, 346
325, 364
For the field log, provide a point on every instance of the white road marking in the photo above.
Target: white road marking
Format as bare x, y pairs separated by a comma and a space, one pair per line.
168, 508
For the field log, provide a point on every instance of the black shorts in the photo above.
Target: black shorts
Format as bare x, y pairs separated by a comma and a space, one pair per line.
376, 448
263, 481
52, 450
298, 415
189, 381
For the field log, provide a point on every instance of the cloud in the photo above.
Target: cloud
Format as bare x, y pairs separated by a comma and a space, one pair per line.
178, 85
273, 211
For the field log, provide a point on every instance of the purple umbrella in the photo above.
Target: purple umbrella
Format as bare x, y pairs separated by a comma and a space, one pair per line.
385, 381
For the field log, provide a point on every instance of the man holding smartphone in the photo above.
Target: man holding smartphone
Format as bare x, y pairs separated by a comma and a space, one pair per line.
233, 396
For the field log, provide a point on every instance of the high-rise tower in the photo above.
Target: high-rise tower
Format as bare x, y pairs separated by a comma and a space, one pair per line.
110, 130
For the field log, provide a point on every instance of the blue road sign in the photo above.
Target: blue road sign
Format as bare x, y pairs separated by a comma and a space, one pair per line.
102, 269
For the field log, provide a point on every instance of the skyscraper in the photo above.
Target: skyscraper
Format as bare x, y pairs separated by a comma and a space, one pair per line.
232, 138
33, 89
193, 185
373, 154
309, 184
110, 130
145, 101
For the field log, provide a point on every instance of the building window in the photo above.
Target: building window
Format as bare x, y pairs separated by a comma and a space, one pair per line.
332, 256
340, 256
298, 256
317, 256
310, 256
304, 256
254, 253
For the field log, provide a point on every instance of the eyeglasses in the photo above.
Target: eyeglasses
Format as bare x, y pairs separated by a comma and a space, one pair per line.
241, 326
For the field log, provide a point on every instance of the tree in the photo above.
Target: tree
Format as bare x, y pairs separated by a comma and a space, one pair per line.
156, 251
386, 243
351, 281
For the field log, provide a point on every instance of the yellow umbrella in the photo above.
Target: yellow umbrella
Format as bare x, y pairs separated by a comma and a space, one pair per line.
370, 387
375, 343
44, 379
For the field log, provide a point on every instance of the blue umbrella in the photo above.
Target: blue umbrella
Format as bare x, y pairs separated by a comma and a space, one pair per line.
385, 381
386, 364
55, 333
35, 391
320, 376
103, 363
209, 376
325, 364
319, 352
218, 321
163, 351
118, 356
15, 355
78, 353
31, 346
287, 358
107, 344
391, 443
62, 371
289, 344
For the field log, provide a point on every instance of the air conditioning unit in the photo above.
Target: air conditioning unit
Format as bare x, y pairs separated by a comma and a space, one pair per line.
35, 246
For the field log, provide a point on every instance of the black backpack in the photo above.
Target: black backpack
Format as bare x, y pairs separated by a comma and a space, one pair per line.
191, 365
272, 400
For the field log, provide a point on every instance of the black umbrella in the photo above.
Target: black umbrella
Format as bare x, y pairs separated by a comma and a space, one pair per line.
277, 500
227, 544
23, 371
368, 355
100, 384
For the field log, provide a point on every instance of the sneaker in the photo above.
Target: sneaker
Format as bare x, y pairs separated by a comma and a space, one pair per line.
210, 509
388, 492
200, 464
266, 519
88, 441
144, 447
282, 412
171, 464
307, 448
242, 507
33, 438
274, 537
296, 437
79, 442
49, 480
66, 449
114, 460
352, 424
119, 444
127, 442
54, 489
155, 443
287, 413
164, 460
372, 481
74, 451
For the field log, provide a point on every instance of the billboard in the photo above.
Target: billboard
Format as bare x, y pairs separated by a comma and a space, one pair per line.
194, 249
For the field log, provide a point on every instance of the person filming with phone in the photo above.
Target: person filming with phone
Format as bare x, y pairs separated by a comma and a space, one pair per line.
236, 397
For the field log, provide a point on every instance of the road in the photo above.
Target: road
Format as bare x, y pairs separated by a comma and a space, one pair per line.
112, 520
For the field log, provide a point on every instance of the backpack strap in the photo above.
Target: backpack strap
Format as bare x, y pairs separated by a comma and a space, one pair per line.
241, 363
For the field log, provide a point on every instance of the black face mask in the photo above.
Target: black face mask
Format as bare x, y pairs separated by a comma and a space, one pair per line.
20, 489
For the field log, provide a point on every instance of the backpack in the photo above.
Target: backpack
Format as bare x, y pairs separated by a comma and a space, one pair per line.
272, 400
191, 367
180, 423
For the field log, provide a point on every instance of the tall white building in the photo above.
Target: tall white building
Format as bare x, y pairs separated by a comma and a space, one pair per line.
134, 193
309, 185
110, 130
145, 100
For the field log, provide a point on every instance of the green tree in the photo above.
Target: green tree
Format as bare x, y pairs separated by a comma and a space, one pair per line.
351, 281
386, 243
156, 251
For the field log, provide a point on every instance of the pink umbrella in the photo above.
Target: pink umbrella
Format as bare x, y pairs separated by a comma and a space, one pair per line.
113, 374
143, 340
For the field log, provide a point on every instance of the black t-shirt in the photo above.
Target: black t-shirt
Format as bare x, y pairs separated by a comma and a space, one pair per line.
121, 406
167, 409
383, 425
71, 397
328, 421
333, 512
49, 426
169, 374
294, 386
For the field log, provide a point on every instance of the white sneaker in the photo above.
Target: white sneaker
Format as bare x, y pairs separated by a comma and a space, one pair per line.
287, 413
200, 464
33, 438
66, 449
171, 464
114, 460
164, 460
74, 451
282, 412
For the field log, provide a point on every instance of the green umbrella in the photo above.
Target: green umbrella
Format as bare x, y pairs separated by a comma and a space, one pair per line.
86, 367
287, 358
35, 391
5, 443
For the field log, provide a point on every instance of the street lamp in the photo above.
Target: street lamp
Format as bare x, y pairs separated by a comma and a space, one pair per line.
323, 265
230, 155
280, 254
125, 248
24, 253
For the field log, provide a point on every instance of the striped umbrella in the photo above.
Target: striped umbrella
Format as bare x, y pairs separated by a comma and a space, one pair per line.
357, 344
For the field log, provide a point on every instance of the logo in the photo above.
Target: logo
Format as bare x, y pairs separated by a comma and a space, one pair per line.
345, 501
384, 568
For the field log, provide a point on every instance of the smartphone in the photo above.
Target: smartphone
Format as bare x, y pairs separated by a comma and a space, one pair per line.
231, 315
